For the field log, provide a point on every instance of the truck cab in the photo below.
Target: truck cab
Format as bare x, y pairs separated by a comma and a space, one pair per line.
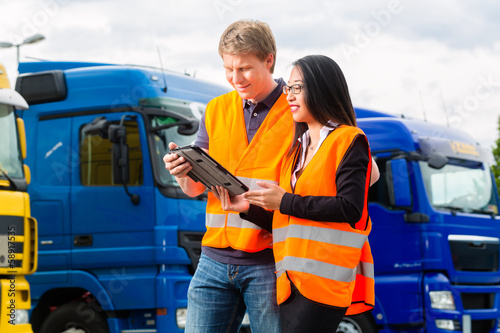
18, 234
436, 229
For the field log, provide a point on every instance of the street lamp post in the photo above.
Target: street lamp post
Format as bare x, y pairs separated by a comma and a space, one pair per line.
30, 40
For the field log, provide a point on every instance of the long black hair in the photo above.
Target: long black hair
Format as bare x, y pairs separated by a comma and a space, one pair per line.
326, 93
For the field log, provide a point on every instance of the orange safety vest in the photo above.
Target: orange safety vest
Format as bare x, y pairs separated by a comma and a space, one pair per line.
328, 262
259, 160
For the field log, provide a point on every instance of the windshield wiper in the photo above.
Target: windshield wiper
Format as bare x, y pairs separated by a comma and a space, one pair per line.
480, 211
452, 208
12, 184
466, 210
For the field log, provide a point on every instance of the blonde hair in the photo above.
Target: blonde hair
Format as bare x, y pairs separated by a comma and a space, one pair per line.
249, 36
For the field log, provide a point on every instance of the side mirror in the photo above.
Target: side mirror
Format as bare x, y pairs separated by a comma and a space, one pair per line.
189, 128
186, 125
22, 136
398, 183
118, 136
98, 126
27, 174
120, 163
437, 161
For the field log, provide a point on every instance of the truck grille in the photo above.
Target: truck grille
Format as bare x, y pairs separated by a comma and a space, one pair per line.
472, 301
482, 326
18, 245
474, 253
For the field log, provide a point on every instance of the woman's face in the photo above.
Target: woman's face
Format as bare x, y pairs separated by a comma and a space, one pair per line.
296, 100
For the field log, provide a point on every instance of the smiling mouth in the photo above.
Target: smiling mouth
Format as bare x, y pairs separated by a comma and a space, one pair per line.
243, 88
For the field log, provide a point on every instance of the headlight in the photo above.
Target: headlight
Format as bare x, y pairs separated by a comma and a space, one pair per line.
180, 317
21, 317
442, 300
450, 325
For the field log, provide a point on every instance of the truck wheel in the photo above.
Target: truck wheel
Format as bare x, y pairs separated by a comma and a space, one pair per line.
75, 317
362, 323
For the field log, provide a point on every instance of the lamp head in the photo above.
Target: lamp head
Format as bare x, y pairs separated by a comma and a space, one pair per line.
34, 39
6, 45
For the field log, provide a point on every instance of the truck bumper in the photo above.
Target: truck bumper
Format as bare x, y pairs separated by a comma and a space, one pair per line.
172, 301
476, 308
14, 296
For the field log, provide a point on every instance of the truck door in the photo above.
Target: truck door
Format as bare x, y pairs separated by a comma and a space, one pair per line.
396, 245
392, 227
108, 229
50, 162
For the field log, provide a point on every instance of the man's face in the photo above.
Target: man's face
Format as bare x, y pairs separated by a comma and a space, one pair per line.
248, 75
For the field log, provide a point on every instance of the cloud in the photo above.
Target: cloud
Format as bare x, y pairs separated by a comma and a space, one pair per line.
399, 56
458, 24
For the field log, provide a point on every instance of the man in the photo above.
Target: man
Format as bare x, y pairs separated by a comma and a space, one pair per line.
248, 131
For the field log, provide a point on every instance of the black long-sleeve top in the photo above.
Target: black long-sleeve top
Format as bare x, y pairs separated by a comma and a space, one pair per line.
346, 206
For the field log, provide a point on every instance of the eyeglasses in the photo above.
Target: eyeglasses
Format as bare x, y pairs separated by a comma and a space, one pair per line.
295, 88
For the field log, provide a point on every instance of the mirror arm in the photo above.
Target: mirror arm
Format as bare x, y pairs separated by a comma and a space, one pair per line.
180, 123
134, 198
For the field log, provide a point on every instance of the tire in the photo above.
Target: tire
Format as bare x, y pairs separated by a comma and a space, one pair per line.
38, 316
362, 323
77, 317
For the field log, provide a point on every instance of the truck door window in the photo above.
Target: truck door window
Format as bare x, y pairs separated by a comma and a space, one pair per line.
161, 140
10, 154
378, 191
96, 158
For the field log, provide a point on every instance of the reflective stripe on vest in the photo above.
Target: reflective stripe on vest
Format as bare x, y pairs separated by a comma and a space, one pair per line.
324, 235
363, 268
251, 183
215, 220
315, 267
363, 296
233, 220
366, 269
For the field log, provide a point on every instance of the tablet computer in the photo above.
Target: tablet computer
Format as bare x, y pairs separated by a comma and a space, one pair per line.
208, 171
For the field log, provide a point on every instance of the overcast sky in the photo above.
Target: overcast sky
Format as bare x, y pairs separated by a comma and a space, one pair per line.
419, 58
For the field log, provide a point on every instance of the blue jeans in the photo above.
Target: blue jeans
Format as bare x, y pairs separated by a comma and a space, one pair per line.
220, 293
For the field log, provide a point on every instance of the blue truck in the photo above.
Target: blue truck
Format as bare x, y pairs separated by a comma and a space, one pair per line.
119, 241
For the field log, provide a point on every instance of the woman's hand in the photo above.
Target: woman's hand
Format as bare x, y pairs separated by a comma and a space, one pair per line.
268, 198
235, 204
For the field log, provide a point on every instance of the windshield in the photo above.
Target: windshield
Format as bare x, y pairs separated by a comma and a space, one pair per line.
460, 185
10, 154
162, 137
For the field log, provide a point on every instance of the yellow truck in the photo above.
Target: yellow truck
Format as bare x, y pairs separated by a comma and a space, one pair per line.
18, 230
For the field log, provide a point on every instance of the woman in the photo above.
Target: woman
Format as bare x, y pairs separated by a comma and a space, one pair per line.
320, 224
